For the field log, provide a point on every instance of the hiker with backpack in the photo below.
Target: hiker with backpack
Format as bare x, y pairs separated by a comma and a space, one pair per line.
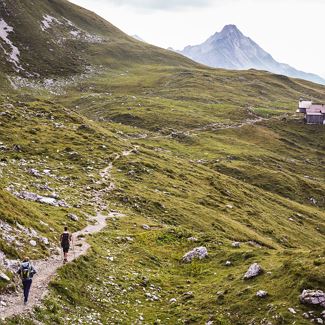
66, 239
26, 272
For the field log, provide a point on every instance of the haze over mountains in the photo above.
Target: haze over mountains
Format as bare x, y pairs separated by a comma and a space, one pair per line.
231, 49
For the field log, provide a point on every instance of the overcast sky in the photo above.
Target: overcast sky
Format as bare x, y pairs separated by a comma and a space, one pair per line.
291, 30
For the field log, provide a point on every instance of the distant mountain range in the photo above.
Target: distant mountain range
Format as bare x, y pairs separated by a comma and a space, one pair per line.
231, 49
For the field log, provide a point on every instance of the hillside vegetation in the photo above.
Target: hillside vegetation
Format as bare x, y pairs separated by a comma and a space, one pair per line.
206, 157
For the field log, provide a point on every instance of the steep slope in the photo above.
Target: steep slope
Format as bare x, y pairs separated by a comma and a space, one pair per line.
230, 49
64, 39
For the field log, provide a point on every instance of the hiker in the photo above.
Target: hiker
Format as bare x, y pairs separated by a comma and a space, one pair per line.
65, 239
26, 272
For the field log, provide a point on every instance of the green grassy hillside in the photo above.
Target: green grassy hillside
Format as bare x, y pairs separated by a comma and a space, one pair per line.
219, 156
64, 39
219, 185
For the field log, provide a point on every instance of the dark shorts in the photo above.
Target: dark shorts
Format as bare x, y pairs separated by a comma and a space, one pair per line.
65, 249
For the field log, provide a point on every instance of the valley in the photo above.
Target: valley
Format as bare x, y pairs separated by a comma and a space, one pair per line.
191, 156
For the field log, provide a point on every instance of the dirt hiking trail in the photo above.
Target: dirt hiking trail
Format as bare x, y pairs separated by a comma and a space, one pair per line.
47, 269
12, 304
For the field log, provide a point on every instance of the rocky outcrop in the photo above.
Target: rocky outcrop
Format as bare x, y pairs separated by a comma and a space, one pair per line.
197, 253
29, 196
253, 271
313, 297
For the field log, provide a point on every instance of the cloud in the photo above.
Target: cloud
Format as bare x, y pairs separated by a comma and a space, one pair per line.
158, 4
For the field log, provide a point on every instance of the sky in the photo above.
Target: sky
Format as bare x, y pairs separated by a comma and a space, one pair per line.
292, 31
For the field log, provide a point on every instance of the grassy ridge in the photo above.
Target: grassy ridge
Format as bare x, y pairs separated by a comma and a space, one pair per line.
56, 52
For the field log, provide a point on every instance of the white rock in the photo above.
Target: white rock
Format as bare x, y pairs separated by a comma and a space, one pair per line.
4, 277
193, 239
41, 199
198, 252
253, 271
261, 294
2, 303
188, 295
292, 311
35, 172
45, 240
228, 263
33, 242
145, 227
73, 217
48, 21
319, 321
236, 244
172, 300
313, 297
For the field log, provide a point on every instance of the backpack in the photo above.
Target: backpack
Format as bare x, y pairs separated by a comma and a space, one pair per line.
65, 241
26, 270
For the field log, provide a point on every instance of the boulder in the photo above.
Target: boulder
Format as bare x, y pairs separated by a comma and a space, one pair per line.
45, 241
253, 271
261, 294
4, 277
235, 244
313, 297
11, 265
188, 295
35, 172
73, 217
196, 253
33, 242
29, 196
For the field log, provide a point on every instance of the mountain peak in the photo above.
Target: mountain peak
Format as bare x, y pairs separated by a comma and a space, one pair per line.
231, 30
229, 27
231, 49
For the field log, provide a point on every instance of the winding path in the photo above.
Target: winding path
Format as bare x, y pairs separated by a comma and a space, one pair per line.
47, 269
12, 304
